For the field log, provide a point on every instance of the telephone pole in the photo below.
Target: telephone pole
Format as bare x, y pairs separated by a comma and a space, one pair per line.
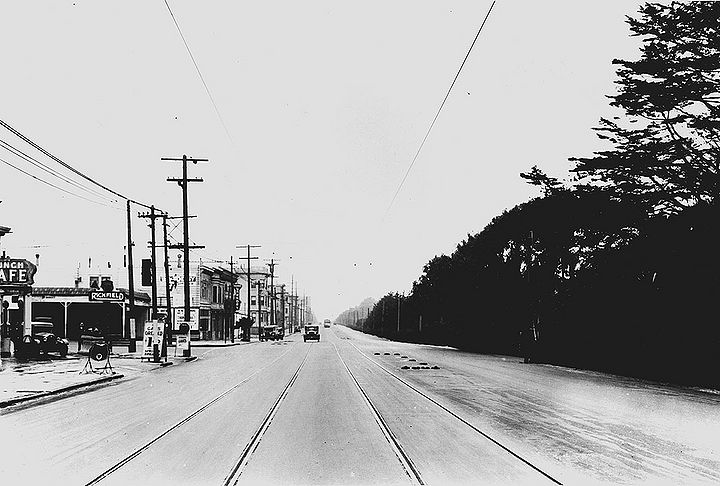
183, 183
398, 314
249, 280
153, 277
131, 277
168, 304
232, 304
282, 307
272, 290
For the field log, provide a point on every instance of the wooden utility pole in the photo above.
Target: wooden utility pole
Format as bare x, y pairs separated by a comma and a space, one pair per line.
398, 313
232, 305
168, 304
131, 276
282, 307
183, 183
153, 275
249, 281
272, 290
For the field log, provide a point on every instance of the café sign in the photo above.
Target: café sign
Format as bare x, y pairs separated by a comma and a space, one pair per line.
16, 272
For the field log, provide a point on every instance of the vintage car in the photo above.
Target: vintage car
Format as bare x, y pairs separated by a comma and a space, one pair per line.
32, 346
270, 333
311, 332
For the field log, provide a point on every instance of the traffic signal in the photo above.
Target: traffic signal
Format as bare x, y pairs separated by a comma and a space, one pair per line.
146, 272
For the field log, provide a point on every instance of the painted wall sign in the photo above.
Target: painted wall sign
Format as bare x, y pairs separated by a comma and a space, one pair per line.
15, 271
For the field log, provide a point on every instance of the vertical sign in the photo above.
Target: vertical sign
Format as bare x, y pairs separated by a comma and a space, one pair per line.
152, 336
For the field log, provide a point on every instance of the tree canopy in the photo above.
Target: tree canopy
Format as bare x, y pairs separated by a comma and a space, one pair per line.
666, 148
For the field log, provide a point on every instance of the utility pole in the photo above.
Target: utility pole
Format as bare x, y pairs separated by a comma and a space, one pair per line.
183, 183
131, 277
232, 305
249, 280
272, 290
168, 304
282, 307
153, 277
398, 314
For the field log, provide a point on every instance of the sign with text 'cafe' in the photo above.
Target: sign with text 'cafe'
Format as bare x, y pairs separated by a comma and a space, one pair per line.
16, 272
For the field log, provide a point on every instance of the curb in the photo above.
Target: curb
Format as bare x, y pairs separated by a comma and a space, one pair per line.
219, 345
15, 401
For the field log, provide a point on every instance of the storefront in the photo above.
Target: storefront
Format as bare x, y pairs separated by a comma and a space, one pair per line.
70, 309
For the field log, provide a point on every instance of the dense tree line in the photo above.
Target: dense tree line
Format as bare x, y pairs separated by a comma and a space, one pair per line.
617, 269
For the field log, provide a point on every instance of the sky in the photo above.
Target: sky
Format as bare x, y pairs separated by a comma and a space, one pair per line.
319, 108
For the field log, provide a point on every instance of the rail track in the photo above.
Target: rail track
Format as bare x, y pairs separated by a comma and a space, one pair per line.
412, 471
235, 472
127, 459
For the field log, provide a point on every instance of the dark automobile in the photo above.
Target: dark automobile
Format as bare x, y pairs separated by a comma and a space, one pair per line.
27, 347
311, 332
50, 343
270, 333
41, 343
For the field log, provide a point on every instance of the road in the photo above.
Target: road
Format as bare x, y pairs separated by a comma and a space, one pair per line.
355, 409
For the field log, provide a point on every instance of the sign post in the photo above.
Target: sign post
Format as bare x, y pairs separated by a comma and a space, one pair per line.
16, 279
152, 340
183, 339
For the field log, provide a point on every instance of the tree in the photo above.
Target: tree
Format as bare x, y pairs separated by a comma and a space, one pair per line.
666, 149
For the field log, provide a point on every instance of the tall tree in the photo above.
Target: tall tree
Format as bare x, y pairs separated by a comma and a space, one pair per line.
666, 149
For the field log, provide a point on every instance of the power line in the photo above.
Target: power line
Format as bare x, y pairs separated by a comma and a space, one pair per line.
56, 187
439, 110
197, 68
32, 160
67, 166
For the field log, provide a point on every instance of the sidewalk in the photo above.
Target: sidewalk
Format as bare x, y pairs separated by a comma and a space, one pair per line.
21, 381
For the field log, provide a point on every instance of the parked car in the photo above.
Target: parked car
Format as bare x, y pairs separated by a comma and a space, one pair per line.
28, 347
50, 343
32, 346
311, 332
270, 333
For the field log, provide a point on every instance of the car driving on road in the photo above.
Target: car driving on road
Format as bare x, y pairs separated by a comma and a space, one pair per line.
270, 333
311, 332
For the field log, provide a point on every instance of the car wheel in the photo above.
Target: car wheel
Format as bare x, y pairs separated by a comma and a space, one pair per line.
63, 352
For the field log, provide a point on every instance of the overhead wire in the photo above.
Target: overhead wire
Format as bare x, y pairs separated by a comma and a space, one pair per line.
55, 186
33, 161
68, 166
432, 124
197, 68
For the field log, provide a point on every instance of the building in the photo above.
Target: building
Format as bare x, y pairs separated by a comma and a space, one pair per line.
212, 290
69, 308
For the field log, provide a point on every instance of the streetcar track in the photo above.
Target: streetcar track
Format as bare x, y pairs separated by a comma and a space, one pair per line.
146, 446
402, 456
443, 407
250, 447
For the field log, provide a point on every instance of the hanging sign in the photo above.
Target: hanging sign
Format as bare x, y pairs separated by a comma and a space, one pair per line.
15, 271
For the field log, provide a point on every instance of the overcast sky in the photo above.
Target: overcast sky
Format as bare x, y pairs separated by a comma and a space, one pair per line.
325, 104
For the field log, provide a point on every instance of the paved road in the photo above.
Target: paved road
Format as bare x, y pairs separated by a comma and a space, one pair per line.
354, 409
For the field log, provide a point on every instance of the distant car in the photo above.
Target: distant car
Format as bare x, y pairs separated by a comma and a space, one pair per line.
326, 323
311, 332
